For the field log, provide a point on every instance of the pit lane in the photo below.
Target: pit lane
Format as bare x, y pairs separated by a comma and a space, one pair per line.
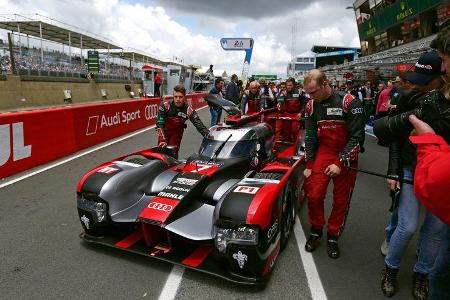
42, 256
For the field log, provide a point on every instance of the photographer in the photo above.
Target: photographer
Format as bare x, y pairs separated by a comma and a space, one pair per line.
428, 104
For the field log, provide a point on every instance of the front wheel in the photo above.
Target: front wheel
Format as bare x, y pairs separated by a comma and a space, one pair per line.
287, 216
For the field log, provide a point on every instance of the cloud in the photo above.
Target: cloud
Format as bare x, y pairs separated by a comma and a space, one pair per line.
161, 28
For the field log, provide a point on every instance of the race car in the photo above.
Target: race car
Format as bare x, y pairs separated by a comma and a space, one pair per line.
227, 210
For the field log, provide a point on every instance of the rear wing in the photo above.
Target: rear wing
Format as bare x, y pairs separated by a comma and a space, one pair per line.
229, 107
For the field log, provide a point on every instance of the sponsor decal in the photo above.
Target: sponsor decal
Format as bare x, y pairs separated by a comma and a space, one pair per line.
160, 206
358, 110
334, 111
108, 170
19, 150
176, 188
272, 230
241, 258
92, 125
295, 95
246, 189
85, 221
170, 195
428, 67
185, 181
182, 115
151, 111
123, 117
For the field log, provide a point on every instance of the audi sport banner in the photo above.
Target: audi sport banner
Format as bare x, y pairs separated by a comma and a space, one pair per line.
31, 138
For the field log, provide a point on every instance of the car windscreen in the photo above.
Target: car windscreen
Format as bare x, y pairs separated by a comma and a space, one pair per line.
230, 149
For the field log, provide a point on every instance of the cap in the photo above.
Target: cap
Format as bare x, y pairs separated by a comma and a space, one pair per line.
426, 69
349, 81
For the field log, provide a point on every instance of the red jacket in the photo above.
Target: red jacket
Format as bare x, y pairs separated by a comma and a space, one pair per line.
432, 176
157, 78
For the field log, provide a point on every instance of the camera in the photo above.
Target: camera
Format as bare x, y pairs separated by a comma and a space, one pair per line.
389, 128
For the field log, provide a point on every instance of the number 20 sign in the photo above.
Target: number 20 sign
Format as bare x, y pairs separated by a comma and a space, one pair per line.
236, 43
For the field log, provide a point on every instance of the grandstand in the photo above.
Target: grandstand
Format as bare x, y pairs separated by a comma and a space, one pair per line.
393, 34
36, 44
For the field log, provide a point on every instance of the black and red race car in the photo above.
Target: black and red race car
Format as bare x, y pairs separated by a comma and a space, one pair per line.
227, 210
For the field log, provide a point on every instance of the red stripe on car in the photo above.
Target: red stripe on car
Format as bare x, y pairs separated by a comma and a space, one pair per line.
198, 256
131, 239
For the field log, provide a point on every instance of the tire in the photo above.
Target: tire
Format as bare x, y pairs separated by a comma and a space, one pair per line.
287, 215
288, 208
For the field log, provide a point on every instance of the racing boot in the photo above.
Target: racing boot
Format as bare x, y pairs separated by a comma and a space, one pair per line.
313, 240
388, 278
420, 286
333, 247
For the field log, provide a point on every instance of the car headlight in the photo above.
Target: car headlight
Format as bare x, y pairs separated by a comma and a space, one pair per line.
245, 235
99, 210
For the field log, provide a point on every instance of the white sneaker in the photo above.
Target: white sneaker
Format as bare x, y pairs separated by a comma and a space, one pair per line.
384, 248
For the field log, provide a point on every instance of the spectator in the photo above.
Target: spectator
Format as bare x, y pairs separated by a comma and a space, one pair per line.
232, 92
432, 173
157, 84
216, 112
368, 94
426, 77
383, 101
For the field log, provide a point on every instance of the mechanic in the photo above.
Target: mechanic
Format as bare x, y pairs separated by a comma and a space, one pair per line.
334, 133
172, 117
267, 94
251, 100
291, 104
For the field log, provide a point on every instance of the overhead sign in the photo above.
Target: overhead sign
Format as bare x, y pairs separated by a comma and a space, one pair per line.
236, 44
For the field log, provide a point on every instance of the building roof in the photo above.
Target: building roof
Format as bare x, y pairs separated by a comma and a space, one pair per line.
55, 31
323, 49
307, 54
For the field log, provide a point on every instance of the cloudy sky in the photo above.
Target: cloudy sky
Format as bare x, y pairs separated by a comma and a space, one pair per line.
191, 29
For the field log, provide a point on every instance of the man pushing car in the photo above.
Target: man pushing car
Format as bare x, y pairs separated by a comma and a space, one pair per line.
172, 116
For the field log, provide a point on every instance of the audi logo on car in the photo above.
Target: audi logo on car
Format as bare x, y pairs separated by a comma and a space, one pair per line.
160, 206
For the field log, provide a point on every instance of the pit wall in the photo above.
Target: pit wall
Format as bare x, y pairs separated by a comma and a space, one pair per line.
31, 138
17, 92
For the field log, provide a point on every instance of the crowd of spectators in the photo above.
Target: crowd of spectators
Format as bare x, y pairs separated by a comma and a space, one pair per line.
57, 61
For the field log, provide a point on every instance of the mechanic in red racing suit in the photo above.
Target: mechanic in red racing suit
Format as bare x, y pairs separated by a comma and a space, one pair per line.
334, 135
172, 116
291, 104
251, 100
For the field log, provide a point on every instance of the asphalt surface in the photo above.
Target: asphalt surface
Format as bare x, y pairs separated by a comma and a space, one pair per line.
42, 257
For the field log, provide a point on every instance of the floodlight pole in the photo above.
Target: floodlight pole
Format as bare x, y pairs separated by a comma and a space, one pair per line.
81, 47
70, 50
40, 35
20, 45
13, 61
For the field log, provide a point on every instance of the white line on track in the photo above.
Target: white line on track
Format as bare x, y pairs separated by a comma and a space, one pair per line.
170, 288
78, 155
74, 156
312, 275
